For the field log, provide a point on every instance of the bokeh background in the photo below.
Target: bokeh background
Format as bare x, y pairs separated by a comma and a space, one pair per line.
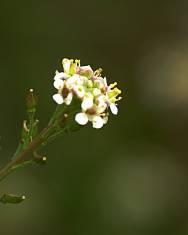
131, 176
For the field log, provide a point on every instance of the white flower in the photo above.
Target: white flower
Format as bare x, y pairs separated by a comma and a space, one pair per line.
79, 90
112, 98
83, 118
97, 122
90, 89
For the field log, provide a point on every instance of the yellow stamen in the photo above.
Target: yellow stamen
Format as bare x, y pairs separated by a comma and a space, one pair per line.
119, 98
113, 85
98, 72
117, 91
114, 93
104, 114
77, 62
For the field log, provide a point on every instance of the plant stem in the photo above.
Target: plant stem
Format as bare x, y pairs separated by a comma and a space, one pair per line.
25, 154
54, 114
60, 109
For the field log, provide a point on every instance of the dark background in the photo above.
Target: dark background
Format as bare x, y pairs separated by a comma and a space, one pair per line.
129, 177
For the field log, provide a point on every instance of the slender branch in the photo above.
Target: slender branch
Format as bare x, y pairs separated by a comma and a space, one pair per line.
25, 154
54, 116
60, 109
18, 150
21, 157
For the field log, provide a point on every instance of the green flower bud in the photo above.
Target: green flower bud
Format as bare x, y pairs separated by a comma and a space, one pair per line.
11, 198
39, 159
31, 100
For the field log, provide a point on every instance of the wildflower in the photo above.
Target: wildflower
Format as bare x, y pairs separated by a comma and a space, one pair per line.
90, 88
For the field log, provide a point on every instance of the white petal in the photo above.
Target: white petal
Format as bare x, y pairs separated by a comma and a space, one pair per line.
97, 122
80, 79
87, 103
105, 81
114, 109
101, 99
81, 118
86, 71
60, 76
58, 98
69, 98
70, 82
66, 65
86, 67
58, 83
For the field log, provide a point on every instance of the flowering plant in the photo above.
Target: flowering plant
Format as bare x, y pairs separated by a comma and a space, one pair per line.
83, 96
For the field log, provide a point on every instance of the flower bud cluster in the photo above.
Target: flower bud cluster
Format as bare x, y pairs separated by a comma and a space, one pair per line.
95, 95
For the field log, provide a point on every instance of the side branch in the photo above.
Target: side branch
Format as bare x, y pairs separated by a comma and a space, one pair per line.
25, 155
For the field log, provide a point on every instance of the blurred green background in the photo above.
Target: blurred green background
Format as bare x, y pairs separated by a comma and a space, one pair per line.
131, 176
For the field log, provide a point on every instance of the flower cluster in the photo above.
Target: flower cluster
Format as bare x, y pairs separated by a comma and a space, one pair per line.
95, 95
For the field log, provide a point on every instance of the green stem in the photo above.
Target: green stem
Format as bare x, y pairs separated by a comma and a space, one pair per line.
54, 115
26, 154
24, 142
18, 150
58, 111
54, 136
